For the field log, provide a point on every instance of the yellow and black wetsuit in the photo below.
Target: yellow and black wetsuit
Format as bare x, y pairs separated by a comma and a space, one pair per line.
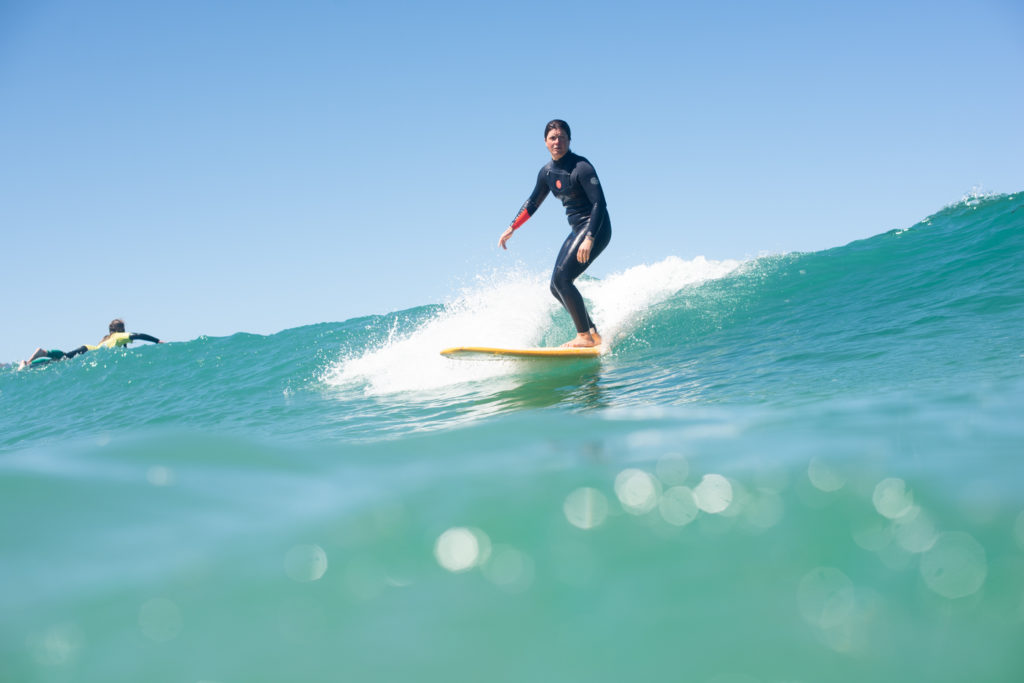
112, 341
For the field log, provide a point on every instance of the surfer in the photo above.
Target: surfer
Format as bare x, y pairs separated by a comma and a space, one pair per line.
115, 337
572, 179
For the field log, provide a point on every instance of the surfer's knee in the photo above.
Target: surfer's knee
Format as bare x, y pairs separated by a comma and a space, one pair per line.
560, 284
555, 289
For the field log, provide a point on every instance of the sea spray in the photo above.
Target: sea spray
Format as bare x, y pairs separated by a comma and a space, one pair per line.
513, 309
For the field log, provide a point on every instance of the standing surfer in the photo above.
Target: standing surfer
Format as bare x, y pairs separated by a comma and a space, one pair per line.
573, 180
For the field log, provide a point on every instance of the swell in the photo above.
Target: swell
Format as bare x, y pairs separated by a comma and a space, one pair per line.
937, 306
899, 308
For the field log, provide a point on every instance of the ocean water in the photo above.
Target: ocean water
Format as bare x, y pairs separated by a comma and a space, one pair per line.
795, 468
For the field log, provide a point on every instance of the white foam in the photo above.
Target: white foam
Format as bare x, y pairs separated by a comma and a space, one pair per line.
619, 301
512, 309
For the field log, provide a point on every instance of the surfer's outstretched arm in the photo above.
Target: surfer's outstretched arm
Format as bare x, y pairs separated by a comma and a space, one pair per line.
530, 206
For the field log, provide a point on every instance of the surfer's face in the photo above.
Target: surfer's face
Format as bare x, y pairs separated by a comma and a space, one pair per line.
557, 143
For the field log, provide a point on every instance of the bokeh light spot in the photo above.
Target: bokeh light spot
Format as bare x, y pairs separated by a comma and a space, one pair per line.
509, 568
955, 566
891, 498
826, 597
459, 549
713, 494
678, 506
915, 531
824, 477
586, 508
637, 491
873, 535
305, 563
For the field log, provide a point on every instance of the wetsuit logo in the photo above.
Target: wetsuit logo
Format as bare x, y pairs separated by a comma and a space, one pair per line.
558, 184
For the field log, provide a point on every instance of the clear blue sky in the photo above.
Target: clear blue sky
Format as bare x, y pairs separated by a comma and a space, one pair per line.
208, 167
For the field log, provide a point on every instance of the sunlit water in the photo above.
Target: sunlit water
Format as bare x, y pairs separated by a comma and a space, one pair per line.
795, 468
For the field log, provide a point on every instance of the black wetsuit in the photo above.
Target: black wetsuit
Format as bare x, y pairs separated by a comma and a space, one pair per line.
573, 180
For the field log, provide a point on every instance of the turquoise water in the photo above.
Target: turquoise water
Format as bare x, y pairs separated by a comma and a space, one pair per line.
794, 468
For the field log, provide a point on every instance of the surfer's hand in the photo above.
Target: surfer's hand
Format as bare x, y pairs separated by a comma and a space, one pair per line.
583, 254
505, 237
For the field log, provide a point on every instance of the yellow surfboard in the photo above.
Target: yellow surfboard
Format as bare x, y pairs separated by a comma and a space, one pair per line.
488, 352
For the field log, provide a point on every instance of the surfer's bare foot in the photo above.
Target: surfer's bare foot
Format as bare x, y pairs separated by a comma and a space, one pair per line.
583, 340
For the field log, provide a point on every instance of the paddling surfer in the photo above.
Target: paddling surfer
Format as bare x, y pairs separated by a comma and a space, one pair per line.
115, 338
572, 179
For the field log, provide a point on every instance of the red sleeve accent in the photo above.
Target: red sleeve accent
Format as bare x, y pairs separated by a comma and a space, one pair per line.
523, 216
